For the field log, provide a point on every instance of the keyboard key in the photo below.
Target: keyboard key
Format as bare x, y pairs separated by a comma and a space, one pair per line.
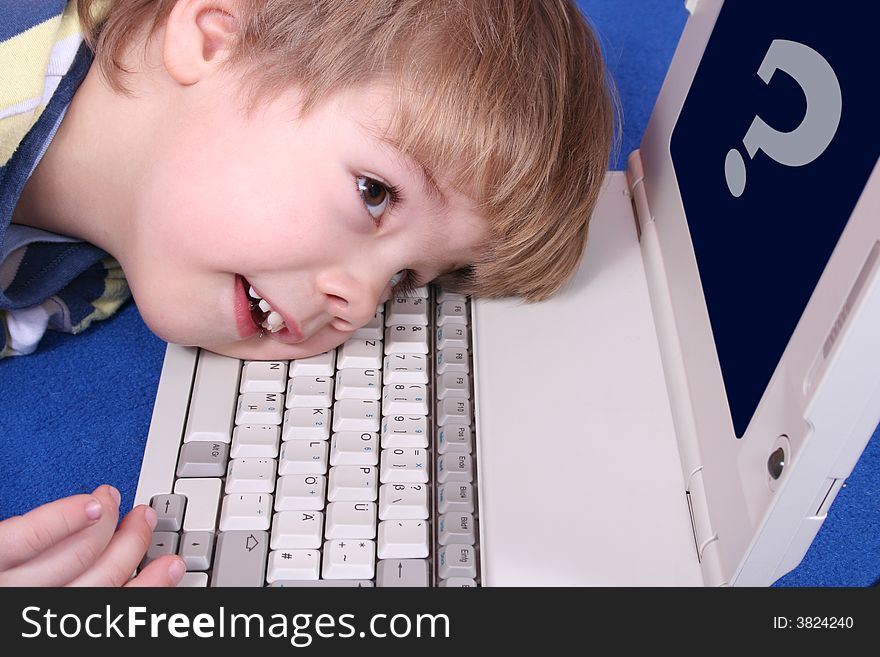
453, 385
255, 440
310, 392
454, 438
404, 431
320, 365
452, 360
360, 354
457, 411
259, 408
350, 520
352, 483
263, 376
405, 368
358, 383
454, 467
372, 330
443, 297
405, 398
246, 511
455, 496
202, 502
403, 501
303, 457
323, 583
349, 559
407, 310
162, 543
250, 475
310, 423
456, 527
356, 415
169, 512
451, 312
354, 448
193, 580
406, 339
402, 539
196, 549
293, 564
240, 559
300, 493
212, 406
452, 335
297, 529
413, 573
458, 583
203, 459
404, 465
456, 561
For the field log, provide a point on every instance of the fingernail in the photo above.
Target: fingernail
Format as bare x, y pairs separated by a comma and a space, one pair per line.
176, 570
93, 510
150, 517
115, 493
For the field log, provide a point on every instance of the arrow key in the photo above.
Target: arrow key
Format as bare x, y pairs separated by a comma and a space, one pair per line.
196, 549
162, 543
169, 512
402, 572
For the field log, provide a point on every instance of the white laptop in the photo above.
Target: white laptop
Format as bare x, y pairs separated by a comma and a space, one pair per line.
685, 411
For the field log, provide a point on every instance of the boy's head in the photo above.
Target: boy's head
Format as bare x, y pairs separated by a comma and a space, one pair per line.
315, 148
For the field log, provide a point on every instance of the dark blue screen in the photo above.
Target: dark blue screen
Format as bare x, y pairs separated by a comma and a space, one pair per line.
765, 218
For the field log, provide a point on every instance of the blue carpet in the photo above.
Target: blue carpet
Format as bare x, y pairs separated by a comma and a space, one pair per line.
76, 413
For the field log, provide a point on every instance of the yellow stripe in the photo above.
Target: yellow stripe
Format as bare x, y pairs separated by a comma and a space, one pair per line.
23, 60
69, 23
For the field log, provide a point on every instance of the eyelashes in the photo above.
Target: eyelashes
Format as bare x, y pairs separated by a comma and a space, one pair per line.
378, 197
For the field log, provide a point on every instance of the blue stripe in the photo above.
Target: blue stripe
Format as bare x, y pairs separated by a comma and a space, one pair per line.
20, 15
12, 180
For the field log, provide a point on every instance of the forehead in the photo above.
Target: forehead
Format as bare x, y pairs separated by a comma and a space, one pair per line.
373, 109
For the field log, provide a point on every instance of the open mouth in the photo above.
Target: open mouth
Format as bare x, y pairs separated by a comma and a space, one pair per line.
261, 311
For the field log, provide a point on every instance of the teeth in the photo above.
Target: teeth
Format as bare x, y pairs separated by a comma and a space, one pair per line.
274, 322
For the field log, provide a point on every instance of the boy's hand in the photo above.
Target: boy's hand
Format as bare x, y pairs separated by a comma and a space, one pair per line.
74, 541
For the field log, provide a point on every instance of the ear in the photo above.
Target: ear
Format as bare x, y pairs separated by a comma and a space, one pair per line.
198, 37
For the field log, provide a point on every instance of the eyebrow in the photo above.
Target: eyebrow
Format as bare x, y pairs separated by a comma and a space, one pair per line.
429, 182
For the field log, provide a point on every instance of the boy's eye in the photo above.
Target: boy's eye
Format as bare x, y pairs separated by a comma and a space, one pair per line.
377, 196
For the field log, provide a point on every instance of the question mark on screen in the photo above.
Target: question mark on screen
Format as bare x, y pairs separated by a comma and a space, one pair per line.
810, 139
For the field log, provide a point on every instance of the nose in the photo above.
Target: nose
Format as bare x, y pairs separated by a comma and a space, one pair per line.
352, 299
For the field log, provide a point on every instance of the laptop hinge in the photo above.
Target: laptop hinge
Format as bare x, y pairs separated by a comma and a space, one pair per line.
705, 536
635, 183
706, 541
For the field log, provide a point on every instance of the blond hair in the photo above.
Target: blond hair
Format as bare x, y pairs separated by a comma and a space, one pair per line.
508, 99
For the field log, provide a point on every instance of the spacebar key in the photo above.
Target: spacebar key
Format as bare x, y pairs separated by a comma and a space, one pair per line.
240, 559
214, 396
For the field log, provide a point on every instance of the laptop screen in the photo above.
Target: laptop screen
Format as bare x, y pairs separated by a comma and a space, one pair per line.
776, 139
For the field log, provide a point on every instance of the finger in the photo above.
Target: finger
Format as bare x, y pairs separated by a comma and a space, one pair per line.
124, 552
24, 537
68, 557
164, 571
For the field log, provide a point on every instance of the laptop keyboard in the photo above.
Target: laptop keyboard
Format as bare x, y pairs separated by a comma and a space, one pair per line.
356, 467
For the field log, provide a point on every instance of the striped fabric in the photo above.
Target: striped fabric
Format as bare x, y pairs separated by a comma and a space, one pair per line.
46, 280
